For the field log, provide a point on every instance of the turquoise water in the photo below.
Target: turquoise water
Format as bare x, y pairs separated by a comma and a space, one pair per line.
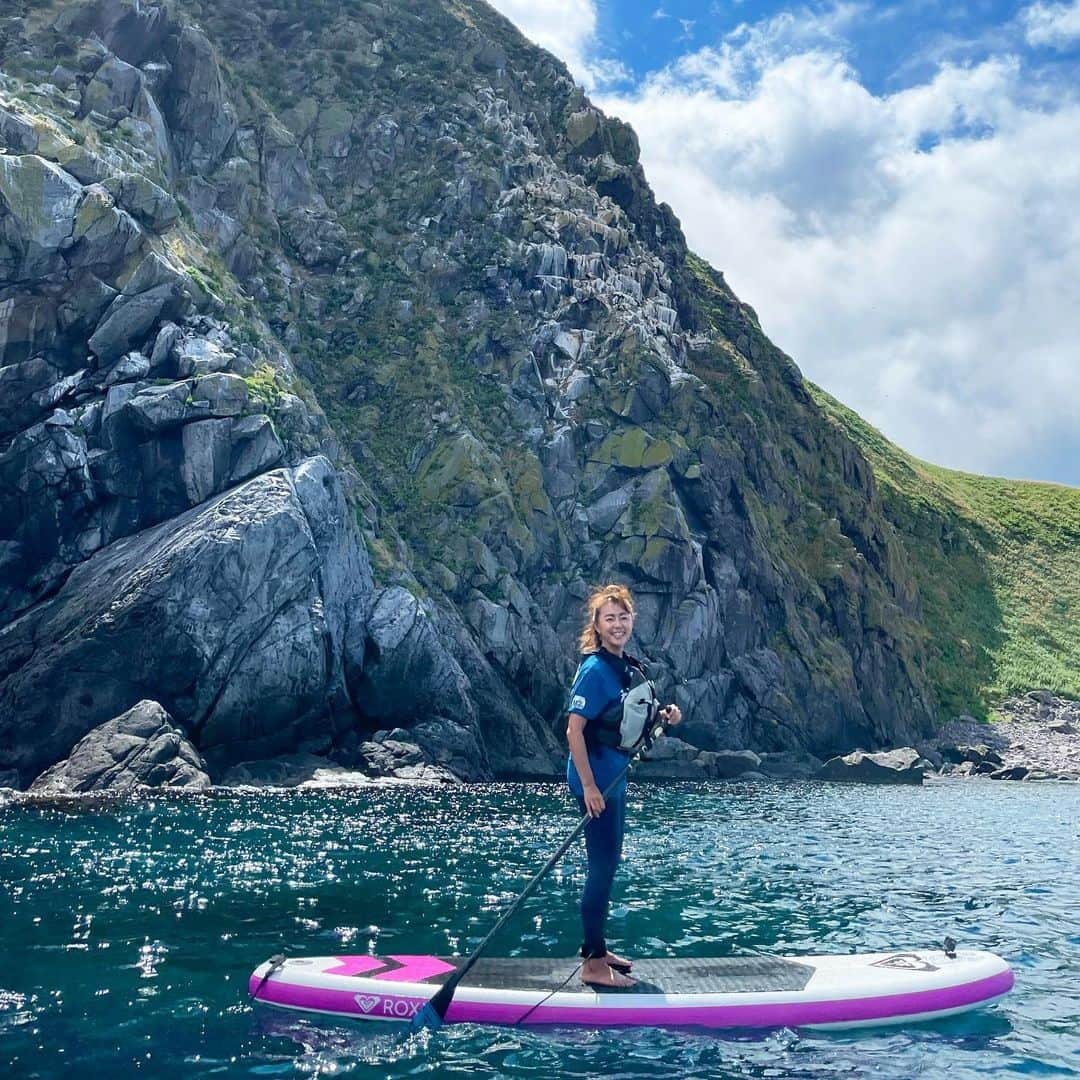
129, 931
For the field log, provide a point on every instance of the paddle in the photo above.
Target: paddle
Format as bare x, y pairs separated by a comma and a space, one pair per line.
434, 1012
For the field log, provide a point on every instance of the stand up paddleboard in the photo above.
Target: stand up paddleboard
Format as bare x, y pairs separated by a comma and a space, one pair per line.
744, 992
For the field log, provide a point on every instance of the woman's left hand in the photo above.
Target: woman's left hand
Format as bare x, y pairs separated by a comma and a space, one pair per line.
671, 715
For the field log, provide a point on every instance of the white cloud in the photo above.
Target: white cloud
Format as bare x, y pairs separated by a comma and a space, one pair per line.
917, 253
1055, 25
566, 28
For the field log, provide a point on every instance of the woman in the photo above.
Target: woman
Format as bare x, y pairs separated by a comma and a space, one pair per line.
611, 705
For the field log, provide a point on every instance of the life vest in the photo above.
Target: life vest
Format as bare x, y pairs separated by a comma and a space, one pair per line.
626, 721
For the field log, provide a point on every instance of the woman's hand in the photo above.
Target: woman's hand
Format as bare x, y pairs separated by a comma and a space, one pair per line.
594, 800
671, 715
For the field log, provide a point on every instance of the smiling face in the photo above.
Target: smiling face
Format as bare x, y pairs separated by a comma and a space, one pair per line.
613, 625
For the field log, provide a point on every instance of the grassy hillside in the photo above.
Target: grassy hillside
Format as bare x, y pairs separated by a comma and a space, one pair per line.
998, 563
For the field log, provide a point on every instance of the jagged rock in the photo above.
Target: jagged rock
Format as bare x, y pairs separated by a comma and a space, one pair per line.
130, 318
129, 368
115, 85
141, 748
932, 755
454, 747
200, 120
28, 325
21, 394
168, 338
38, 202
84, 303
902, 766
150, 204
409, 677
205, 463
200, 356
254, 446
154, 271
581, 126
227, 395
390, 753
17, 132
104, 236
86, 166
237, 615
47, 494
288, 179
155, 409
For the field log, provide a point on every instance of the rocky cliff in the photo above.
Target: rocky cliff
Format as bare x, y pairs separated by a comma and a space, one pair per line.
342, 347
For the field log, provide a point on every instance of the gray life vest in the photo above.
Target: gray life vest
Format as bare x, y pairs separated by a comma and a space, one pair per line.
627, 721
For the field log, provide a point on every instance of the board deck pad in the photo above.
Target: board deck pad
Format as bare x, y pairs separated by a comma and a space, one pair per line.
736, 974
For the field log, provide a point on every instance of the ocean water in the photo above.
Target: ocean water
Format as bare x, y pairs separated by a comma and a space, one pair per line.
129, 929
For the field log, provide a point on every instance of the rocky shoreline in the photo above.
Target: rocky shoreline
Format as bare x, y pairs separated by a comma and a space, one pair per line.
1037, 738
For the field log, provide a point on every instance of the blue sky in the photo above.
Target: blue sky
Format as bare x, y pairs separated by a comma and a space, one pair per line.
895, 188
891, 45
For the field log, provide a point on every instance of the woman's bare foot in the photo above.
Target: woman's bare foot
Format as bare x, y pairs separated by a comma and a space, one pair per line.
597, 972
618, 962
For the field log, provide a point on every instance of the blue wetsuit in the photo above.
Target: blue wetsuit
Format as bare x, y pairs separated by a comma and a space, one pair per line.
597, 686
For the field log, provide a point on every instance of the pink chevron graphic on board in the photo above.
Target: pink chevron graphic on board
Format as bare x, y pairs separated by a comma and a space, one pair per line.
354, 965
415, 969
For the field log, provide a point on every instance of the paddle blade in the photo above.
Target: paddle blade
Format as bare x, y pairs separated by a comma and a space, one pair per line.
431, 1016
427, 1019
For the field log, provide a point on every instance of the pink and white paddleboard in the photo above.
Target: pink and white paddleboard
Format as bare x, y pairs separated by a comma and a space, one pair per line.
731, 992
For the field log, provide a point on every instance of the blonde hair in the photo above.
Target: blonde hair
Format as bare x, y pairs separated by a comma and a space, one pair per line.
589, 641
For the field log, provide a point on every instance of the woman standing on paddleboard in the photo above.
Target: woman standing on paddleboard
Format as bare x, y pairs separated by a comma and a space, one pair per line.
612, 705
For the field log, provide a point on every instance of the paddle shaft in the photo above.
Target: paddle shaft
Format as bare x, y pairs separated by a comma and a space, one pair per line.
440, 1002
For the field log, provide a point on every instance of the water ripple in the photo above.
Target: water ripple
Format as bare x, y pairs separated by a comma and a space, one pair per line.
129, 929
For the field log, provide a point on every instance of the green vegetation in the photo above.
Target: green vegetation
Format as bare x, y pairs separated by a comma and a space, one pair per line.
998, 567
265, 385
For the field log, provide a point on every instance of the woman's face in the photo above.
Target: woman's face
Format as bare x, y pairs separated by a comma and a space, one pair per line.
614, 624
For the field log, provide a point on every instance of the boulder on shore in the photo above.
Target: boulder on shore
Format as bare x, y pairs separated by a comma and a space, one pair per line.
790, 765
900, 766
979, 754
141, 748
395, 754
672, 759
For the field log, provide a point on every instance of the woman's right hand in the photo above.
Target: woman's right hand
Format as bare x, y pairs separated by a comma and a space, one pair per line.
594, 800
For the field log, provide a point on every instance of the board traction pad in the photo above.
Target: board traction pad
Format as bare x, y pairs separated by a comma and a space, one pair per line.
730, 975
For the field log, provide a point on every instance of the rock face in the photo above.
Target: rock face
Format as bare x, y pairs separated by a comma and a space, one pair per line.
141, 748
217, 221
223, 613
902, 766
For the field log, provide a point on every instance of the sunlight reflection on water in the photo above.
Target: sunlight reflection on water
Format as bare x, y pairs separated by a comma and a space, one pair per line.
129, 931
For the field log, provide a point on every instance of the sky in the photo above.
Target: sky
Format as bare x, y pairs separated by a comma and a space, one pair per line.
894, 188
